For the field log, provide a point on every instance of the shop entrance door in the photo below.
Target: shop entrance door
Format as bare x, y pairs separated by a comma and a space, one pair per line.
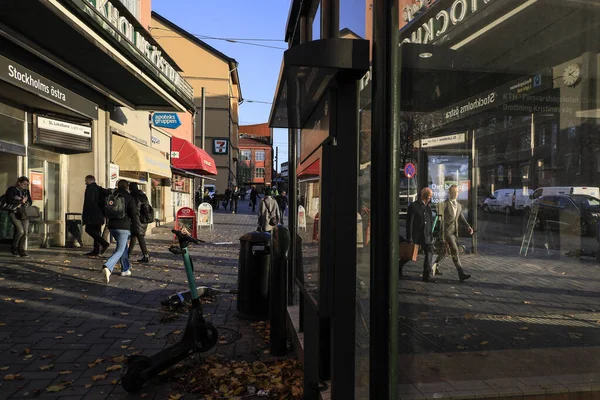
44, 178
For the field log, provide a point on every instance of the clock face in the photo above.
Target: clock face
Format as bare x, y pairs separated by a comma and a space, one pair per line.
571, 75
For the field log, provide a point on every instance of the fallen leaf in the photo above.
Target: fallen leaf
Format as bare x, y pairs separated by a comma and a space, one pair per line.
150, 334
46, 367
46, 356
468, 316
98, 361
484, 343
7, 299
119, 326
48, 289
2, 324
4, 368
113, 368
58, 337
88, 385
28, 356
12, 377
523, 328
67, 372
460, 347
175, 396
124, 313
70, 332
56, 388
118, 359
27, 350
100, 377
114, 382
178, 331
19, 301
526, 302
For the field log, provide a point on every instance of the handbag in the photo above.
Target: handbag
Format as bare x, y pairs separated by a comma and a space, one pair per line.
28, 212
6, 206
409, 251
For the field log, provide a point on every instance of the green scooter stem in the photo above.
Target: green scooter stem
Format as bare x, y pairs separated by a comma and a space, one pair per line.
189, 270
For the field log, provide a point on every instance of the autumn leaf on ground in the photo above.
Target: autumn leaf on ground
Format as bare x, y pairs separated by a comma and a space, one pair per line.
28, 356
88, 385
47, 356
100, 377
526, 302
2, 324
484, 343
56, 388
70, 332
150, 334
523, 328
4, 368
175, 396
12, 377
114, 368
46, 367
119, 326
118, 359
19, 301
48, 289
67, 372
27, 350
468, 316
58, 337
98, 361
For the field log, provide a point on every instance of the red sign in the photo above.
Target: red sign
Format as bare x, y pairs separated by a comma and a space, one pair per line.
185, 221
37, 185
410, 170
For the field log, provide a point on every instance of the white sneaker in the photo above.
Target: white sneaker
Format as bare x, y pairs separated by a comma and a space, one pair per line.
106, 272
126, 273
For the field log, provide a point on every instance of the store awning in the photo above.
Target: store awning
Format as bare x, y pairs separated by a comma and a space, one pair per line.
312, 169
186, 156
189, 174
133, 156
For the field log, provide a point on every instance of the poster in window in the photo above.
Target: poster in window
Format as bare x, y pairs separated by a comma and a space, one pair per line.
37, 185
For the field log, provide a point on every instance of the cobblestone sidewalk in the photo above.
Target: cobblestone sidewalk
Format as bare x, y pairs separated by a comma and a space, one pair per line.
59, 322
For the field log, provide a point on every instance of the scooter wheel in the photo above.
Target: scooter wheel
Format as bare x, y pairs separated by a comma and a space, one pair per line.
209, 339
133, 380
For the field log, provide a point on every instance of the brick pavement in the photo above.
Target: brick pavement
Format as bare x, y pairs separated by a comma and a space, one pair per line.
57, 314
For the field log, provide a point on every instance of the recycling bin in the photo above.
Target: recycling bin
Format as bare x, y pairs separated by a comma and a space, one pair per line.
253, 275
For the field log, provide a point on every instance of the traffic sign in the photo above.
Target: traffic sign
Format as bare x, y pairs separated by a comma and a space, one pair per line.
410, 170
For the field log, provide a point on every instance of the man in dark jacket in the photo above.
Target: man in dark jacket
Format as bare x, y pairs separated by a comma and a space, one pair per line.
253, 197
282, 202
138, 228
93, 214
227, 197
235, 197
120, 229
419, 225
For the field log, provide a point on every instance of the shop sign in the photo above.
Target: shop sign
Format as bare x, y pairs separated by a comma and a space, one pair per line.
166, 120
120, 23
220, 146
64, 127
205, 215
32, 82
441, 141
442, 22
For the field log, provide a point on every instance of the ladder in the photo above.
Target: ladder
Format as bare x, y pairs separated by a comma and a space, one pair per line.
528, 234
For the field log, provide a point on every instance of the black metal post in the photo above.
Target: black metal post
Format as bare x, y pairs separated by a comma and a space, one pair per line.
280, 246
384, 198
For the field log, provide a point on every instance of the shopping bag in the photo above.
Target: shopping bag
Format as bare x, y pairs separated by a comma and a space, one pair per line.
409, 251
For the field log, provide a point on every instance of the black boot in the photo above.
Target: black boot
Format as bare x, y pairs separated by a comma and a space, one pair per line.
14, 251
462, 275
145, 259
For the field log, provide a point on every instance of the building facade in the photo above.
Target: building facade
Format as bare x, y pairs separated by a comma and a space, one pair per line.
68, 67
255, 165
205, 67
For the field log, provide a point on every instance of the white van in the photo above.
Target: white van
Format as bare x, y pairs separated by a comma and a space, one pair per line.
558, 190
509, 201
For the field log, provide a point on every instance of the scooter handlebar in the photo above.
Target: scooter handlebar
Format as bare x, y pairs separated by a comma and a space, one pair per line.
181, 235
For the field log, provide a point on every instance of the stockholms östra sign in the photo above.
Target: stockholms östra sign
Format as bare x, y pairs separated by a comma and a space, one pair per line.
35, 83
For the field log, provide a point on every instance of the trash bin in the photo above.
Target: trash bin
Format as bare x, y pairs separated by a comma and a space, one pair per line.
253, 275
73, 231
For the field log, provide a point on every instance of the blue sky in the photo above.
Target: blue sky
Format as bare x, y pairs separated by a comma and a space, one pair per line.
258, 66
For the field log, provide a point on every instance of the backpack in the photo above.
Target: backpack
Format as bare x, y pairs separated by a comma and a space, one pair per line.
146, 213
114, 206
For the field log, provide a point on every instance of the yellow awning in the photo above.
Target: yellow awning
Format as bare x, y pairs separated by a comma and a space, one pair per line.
132, 156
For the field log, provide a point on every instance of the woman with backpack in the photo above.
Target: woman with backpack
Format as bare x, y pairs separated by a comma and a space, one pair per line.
18, 195
139, 227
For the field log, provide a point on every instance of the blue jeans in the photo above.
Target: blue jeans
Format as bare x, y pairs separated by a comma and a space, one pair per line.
121, 236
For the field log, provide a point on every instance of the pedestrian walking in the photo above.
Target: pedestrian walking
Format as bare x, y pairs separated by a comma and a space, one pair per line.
119, 208
227, 199
18, 194
93, 215
138, 228
450, 214
253, 198
282, 202
268, 215
235, 196
419, 223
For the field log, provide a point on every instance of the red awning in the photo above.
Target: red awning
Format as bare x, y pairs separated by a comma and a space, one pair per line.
312, 169
186, 156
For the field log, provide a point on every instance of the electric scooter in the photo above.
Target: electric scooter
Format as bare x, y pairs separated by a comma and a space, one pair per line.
199, 336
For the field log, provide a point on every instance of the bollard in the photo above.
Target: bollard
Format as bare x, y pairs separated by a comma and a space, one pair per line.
280, 247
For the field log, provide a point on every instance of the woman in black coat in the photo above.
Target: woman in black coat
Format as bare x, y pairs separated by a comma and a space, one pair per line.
19, 195
138, 228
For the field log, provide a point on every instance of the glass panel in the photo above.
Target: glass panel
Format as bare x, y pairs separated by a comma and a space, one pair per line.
53, 192
363, 268
12, 130
502, 98
9, 165
156, 198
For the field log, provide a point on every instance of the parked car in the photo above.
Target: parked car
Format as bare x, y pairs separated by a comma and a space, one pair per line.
579, 212
509, 201
561, 190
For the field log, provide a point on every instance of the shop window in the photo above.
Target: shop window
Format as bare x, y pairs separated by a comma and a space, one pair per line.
259, 155
259, 172
245, 155
180, 183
